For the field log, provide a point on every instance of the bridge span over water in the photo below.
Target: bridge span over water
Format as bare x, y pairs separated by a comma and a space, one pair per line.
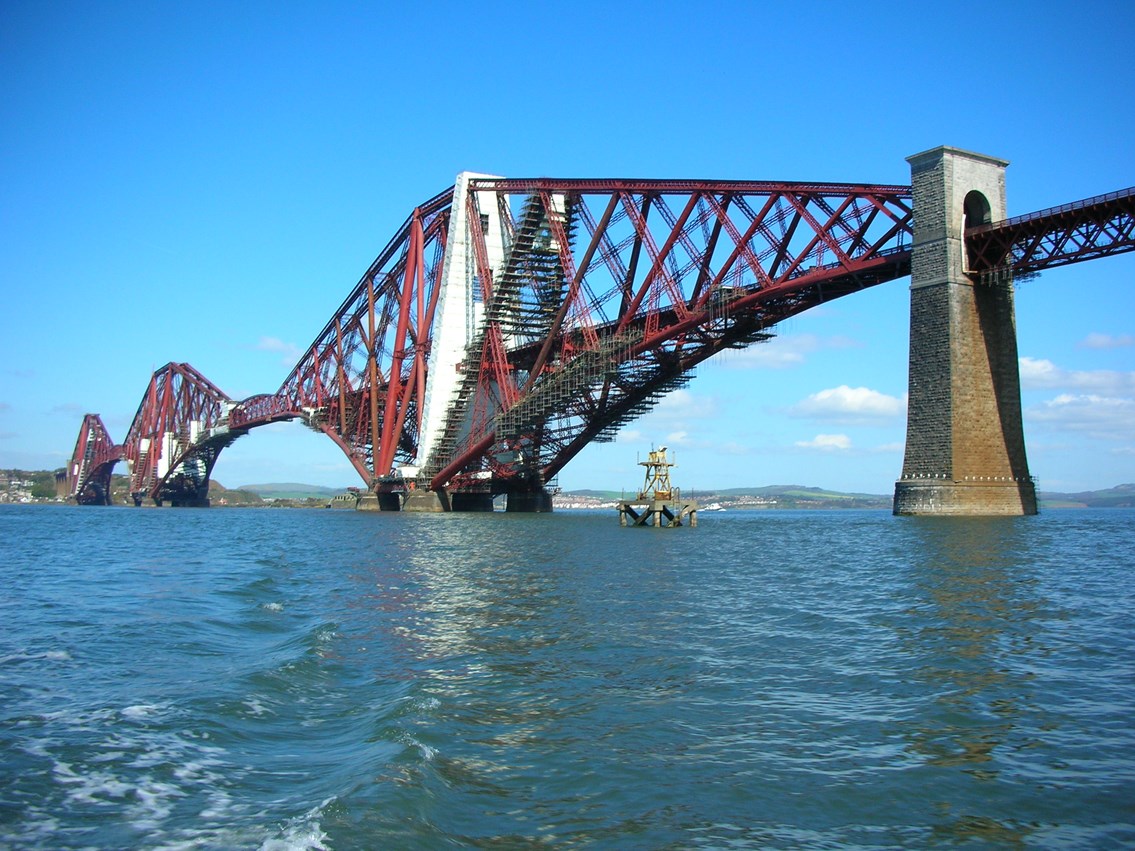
509, 322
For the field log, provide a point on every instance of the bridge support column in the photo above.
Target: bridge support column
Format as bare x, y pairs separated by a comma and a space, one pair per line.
536, 501
426, 501
369, 501
472, 501
965, 446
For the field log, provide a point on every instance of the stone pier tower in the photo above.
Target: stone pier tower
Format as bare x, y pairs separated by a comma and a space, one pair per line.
965, 446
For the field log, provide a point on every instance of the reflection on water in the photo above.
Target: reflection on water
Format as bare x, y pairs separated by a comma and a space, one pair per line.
975, 590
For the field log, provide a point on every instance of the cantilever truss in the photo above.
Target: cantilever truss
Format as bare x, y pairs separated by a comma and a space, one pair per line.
92, 463
180, 428
611, 291
362, 381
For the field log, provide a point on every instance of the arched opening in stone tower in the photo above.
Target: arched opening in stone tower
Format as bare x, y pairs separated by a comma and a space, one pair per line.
977, 212
977, 209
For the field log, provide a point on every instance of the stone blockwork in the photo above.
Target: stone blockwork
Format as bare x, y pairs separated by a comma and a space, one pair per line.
965, 450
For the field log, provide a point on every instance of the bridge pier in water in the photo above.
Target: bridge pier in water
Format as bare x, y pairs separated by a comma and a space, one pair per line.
421, 500
533, 500
965, 447
528, 501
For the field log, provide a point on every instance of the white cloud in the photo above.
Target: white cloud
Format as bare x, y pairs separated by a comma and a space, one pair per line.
890, 447
629, 435
681, 404
1041, 374
677, 420
826, 442
783, 352
1098, 417
732, 447
1106, 341
845, 403
290, 351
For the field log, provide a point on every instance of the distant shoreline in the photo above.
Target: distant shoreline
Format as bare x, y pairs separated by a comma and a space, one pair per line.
31, 487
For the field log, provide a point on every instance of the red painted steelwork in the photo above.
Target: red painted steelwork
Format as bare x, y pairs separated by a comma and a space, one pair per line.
1095, 227
612, 290
92, 463
362, 382
179, 429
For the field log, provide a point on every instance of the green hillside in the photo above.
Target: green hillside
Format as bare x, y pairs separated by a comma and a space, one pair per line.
291, 490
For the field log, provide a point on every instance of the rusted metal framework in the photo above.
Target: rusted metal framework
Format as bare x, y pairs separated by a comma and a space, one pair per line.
1083, 230
92, 463
362, 381
611, 291
180, 428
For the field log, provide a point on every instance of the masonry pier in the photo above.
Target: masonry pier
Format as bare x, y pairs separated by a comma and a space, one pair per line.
965, 446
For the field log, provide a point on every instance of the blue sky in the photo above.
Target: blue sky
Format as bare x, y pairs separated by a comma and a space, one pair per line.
206, 182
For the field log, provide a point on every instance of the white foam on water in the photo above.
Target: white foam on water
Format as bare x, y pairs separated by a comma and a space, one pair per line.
272, 607
145, 776
410, 742
153, 804
91, 787
141, 711
301, 834
220, 806
256, 707
23, 655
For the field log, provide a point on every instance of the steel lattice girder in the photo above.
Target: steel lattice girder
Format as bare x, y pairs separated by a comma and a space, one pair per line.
612, 290
1095, 227
361, 381
180, 426
92, 463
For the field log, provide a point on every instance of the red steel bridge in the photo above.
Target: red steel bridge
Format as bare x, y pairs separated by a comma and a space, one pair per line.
509, 322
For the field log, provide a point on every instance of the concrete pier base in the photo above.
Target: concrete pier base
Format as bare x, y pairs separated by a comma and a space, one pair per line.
529, 501
369, 501
472, 501
426, 501
993, 498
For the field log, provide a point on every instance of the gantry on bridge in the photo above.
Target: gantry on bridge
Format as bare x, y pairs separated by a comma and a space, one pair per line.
510, 322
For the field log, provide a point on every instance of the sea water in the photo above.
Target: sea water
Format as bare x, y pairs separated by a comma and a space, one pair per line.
290, 679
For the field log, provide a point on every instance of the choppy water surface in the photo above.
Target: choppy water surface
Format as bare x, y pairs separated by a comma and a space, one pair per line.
316, 679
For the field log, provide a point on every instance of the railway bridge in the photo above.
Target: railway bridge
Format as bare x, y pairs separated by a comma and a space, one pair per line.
509, 322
